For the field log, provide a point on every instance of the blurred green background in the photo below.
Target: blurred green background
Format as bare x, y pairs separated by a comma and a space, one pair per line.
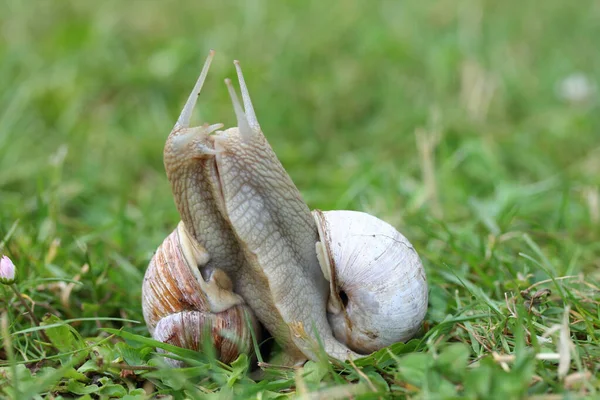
463, 123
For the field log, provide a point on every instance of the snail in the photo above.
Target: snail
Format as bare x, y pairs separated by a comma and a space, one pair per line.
342, 281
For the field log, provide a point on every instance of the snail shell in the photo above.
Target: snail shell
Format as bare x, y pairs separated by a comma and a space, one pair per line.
180, 307
378, 286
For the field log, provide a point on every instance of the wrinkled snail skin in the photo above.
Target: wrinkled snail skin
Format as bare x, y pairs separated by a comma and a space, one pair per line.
277, 232
191, 171
180, 307
343, 280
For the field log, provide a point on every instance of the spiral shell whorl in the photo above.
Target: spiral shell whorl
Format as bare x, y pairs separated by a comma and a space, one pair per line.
378, 285
180, 308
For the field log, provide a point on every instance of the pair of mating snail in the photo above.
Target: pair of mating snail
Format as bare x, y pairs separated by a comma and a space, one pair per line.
249, 249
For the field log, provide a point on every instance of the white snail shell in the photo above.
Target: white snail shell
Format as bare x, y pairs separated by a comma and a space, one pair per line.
180, 307
378, 285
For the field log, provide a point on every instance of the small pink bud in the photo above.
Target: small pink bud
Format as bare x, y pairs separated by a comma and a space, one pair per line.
7, 271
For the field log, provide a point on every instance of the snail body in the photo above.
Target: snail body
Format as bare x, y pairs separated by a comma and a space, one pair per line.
242, 209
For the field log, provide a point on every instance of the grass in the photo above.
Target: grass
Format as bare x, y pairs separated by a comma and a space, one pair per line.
446, 119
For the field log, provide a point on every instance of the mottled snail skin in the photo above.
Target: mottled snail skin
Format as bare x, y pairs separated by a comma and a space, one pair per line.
180, 307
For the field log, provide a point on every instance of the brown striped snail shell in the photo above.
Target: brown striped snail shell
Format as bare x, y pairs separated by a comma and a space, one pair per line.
180, 307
